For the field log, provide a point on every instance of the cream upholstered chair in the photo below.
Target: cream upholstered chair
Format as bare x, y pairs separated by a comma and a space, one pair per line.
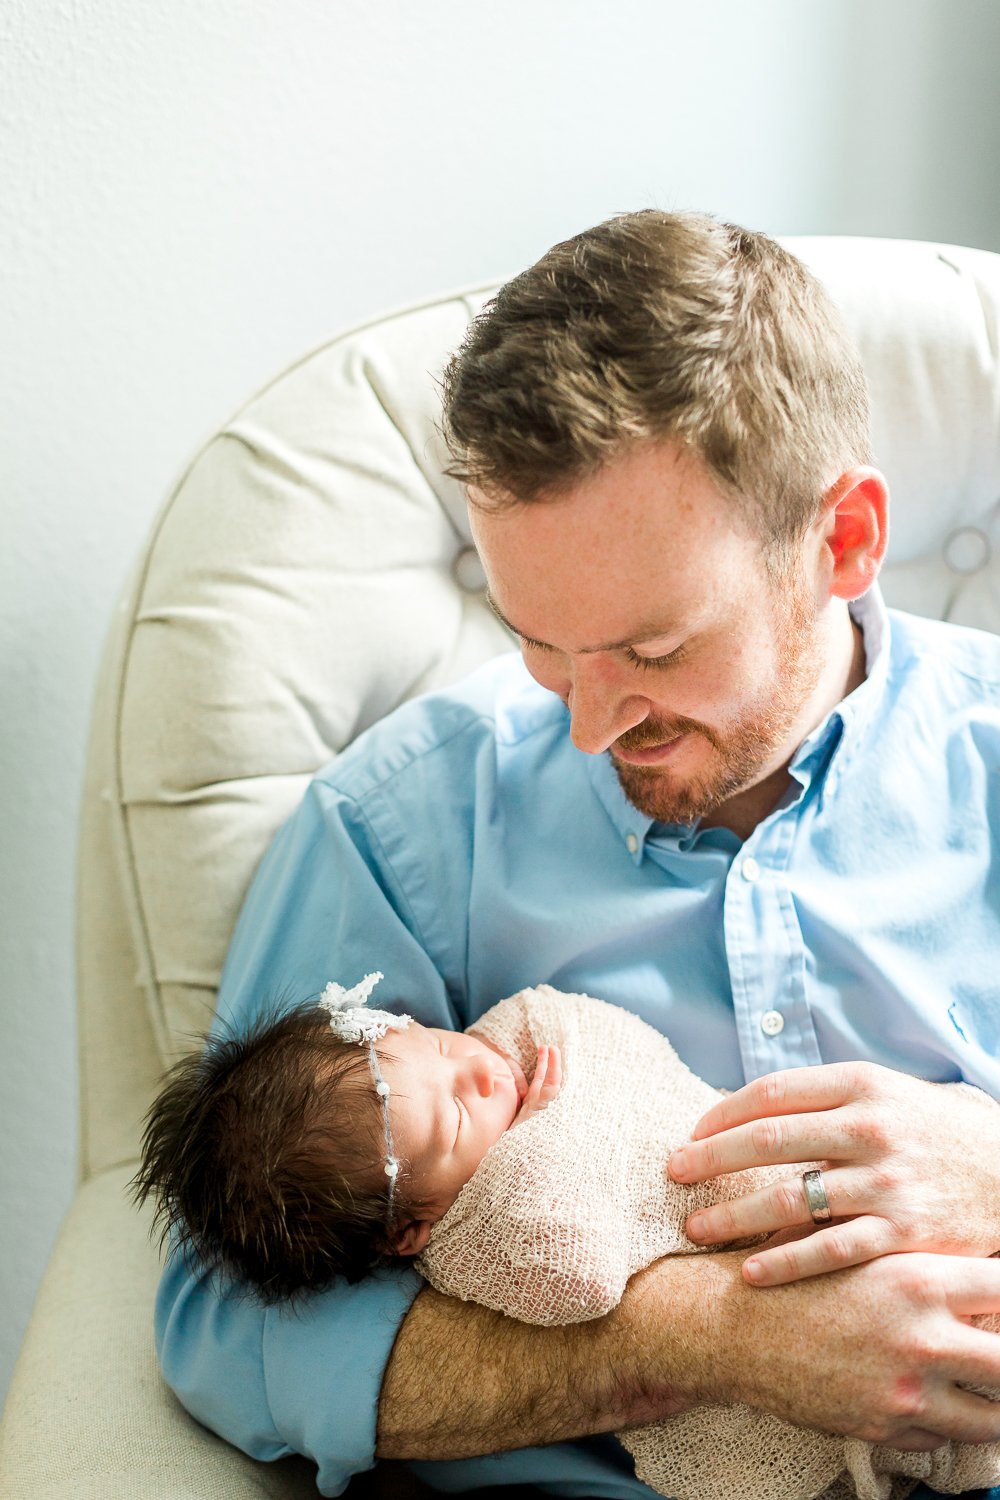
312, 569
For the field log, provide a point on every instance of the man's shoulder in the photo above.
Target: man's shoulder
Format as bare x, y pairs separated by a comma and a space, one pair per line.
498, 708
958, 657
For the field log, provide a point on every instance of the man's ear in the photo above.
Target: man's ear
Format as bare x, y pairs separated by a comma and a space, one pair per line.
855, 528
413, 1237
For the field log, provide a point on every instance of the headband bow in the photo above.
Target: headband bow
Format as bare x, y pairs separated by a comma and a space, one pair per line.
351, 1021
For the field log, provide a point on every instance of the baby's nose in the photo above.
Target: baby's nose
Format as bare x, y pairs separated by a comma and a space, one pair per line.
483, 1077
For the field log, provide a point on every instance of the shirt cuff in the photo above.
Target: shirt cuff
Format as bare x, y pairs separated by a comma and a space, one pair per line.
324, 1361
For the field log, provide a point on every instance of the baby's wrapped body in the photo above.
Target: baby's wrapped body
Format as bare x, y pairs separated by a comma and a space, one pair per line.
571, 1203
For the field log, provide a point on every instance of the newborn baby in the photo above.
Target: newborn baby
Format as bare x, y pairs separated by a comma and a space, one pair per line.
522, 1161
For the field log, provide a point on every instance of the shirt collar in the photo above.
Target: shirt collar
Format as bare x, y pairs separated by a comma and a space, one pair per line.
833, 739
629, 821
842, 728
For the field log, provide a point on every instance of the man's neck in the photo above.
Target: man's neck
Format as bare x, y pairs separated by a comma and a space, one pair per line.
743, 812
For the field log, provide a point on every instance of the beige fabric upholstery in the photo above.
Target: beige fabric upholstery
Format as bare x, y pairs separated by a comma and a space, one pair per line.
299, 583
311, 570
131, 1438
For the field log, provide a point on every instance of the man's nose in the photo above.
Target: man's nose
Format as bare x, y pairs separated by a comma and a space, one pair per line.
601, 708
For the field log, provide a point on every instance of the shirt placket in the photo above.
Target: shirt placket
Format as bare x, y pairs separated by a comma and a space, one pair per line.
766, 954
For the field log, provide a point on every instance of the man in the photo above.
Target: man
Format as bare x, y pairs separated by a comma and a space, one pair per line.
730, 793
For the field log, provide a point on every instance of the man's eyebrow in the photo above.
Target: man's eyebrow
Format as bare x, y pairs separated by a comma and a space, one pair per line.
655, 632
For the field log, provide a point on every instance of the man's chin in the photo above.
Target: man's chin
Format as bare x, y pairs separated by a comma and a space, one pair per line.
655, 793
664, 797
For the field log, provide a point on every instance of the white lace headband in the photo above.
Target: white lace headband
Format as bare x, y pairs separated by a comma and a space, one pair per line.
351, 1021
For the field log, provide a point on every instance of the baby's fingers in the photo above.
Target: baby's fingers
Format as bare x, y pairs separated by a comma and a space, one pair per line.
552, 1082
847, 1244
545, 1083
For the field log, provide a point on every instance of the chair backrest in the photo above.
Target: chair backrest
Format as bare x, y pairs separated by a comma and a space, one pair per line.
314, 568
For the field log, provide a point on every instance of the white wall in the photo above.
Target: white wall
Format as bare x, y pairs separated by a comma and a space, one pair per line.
194, 191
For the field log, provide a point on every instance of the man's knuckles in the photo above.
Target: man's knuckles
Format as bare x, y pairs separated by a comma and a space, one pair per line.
786, 1203
768, 1094
769, 1138
864, 1079
922, 1283
840, 1247
872, 1132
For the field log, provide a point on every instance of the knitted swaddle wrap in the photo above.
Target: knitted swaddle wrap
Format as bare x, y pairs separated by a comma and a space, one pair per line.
571, 1203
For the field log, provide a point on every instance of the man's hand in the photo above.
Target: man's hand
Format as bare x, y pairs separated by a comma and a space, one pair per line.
908, 1165
876, 1352
544, 1087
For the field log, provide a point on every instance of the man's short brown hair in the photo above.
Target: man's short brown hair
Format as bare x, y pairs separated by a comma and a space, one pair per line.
661, 326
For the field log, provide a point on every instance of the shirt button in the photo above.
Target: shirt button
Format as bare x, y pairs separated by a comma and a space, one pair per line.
631, 843
772, 1022
750, 869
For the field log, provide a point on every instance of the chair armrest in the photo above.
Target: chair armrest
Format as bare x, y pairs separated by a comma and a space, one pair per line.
88, 1414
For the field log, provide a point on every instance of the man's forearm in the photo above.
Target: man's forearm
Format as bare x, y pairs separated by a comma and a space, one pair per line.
463, 1380
879, 1351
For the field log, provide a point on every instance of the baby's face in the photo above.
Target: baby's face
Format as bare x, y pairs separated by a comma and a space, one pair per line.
452, 1099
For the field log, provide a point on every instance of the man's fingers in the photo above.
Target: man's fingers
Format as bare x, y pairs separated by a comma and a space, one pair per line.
976, 1362
962, 1417
791, 1091
916, 1440
966, 1286
833, 1249
780, 1206
971, 1288
768, 1142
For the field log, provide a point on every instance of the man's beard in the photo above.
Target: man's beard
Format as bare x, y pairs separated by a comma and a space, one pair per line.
744, 748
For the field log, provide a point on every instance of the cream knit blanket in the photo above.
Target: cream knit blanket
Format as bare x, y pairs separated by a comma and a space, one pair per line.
571, 1203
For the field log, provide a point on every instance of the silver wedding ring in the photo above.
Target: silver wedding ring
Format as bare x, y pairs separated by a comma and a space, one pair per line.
817, 1202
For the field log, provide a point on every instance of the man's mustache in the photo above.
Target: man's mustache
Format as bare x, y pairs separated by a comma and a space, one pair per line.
657, 732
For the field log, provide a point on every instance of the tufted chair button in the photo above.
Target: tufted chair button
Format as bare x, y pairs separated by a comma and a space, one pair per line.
468, 571
967, 550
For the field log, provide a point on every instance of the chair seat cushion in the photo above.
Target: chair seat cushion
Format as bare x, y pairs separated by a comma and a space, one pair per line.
88, 1415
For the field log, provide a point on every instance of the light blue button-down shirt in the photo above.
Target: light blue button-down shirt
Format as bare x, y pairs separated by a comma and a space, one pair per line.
466, 848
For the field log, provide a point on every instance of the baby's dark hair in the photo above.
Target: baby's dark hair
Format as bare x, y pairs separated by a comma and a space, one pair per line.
265, 1154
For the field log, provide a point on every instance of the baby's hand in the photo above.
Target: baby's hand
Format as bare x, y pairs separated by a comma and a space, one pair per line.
544, 1086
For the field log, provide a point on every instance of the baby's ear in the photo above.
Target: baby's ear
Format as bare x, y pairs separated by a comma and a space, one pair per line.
413, 1237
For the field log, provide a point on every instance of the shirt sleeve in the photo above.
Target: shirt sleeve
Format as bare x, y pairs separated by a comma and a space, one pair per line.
325, 904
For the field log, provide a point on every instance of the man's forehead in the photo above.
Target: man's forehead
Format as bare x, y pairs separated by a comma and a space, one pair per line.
651, 495
632, 554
